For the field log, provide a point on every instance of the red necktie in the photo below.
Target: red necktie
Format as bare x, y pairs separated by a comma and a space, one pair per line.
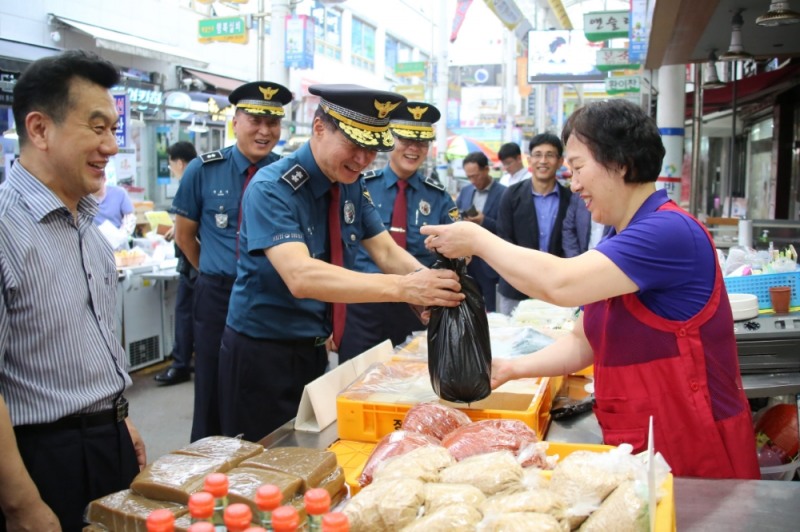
337, 258
399, 214
251, 170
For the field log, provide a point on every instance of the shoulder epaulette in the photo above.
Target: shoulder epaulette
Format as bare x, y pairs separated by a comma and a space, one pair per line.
212, 156
430, 181
372, 173
296, 176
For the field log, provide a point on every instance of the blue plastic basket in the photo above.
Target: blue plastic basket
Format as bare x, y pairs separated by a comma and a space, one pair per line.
759, 286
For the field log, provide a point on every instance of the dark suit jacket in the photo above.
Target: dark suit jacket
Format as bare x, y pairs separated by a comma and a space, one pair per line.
518, 224
477, 268
578, 228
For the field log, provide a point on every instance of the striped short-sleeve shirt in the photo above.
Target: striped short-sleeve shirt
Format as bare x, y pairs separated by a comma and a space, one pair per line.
58, 352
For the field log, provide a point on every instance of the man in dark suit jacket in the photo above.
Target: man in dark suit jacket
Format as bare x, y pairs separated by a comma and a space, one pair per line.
578, 228
532, 211
479, 202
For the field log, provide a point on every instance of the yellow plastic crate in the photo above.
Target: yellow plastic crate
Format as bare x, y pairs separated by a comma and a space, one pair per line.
353, 455
369, 422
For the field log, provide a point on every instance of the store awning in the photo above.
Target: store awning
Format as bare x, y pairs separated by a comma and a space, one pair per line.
130, 44
747, 89
215, 80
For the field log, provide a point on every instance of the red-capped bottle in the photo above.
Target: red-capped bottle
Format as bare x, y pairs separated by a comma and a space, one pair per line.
285, 519
335, 522
318, 503
201, 507
268, 497
217, 485
161, 520
202, 526
238, 517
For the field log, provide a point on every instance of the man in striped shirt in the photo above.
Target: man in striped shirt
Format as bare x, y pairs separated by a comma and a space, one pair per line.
64, 435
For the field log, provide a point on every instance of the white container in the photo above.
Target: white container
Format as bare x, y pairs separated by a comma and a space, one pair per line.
746, 233
743, 306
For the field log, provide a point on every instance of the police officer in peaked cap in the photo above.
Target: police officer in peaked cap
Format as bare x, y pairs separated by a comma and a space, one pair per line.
207, 205
286, 308
400, 184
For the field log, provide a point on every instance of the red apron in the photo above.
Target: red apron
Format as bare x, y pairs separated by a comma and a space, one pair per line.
683, 373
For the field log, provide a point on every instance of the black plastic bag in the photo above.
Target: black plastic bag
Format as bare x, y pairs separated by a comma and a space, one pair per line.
459, 352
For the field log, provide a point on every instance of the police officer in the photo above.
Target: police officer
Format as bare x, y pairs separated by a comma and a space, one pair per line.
422, 201
302, 216
207, 205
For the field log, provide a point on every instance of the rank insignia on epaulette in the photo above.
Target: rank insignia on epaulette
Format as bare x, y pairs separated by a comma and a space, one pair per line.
366, 195
453, 214
212, 156
434, 183
371, 173
296, 176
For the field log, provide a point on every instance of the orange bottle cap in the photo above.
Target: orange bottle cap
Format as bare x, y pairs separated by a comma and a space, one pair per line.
238, 516
161, 520
268, 497
285, 518
216, 484
335, 522
318, 501
201, 505
202, 527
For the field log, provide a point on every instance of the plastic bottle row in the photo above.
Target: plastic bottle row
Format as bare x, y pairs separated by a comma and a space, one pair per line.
210, 511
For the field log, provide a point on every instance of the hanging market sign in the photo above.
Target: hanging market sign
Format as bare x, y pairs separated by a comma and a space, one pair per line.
412, 92
414, 68
605, 25
614, 59
222, 29
623, 84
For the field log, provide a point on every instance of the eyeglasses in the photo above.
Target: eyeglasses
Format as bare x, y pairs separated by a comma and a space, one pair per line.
548, 155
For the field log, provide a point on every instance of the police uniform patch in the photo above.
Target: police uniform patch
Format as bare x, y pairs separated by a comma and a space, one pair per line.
349, 212
453, 214
296, 176
372, 173
212, 156
424, 208
430, 181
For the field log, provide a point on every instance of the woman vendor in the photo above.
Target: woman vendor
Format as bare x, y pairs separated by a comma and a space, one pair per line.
656, 321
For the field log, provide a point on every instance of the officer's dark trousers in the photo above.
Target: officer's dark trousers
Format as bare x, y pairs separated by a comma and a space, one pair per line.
75, 465
261, 381
369, 324
211, 296
184, 324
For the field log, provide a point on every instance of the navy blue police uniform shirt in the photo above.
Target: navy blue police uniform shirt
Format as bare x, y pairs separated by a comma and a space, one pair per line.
209, 193
288, 202
428, 204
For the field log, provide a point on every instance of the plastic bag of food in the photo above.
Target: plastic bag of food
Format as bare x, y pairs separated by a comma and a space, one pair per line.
459, 350
434, 419
394, 444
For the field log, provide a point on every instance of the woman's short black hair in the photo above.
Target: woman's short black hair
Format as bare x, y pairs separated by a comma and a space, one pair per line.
619, 133
44, 85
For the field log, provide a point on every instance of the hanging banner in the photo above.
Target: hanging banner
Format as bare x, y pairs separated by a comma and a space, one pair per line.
224, 29
670, 177
299, 51
507, 11
605, 25
639, 30
122, 103
458, 19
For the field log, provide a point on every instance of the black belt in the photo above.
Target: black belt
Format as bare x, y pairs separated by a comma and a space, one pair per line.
218, 280
78, 421
316, 341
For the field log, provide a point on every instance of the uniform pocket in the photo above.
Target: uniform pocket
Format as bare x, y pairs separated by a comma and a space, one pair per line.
624, 427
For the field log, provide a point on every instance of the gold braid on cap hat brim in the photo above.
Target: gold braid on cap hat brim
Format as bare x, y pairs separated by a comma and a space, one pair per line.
259, 107
354, 118
412, 130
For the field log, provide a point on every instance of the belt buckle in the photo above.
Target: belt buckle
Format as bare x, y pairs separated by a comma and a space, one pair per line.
121, 409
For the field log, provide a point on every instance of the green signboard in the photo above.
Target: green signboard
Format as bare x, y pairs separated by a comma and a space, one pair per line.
227, 29
604, 25
415, 68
